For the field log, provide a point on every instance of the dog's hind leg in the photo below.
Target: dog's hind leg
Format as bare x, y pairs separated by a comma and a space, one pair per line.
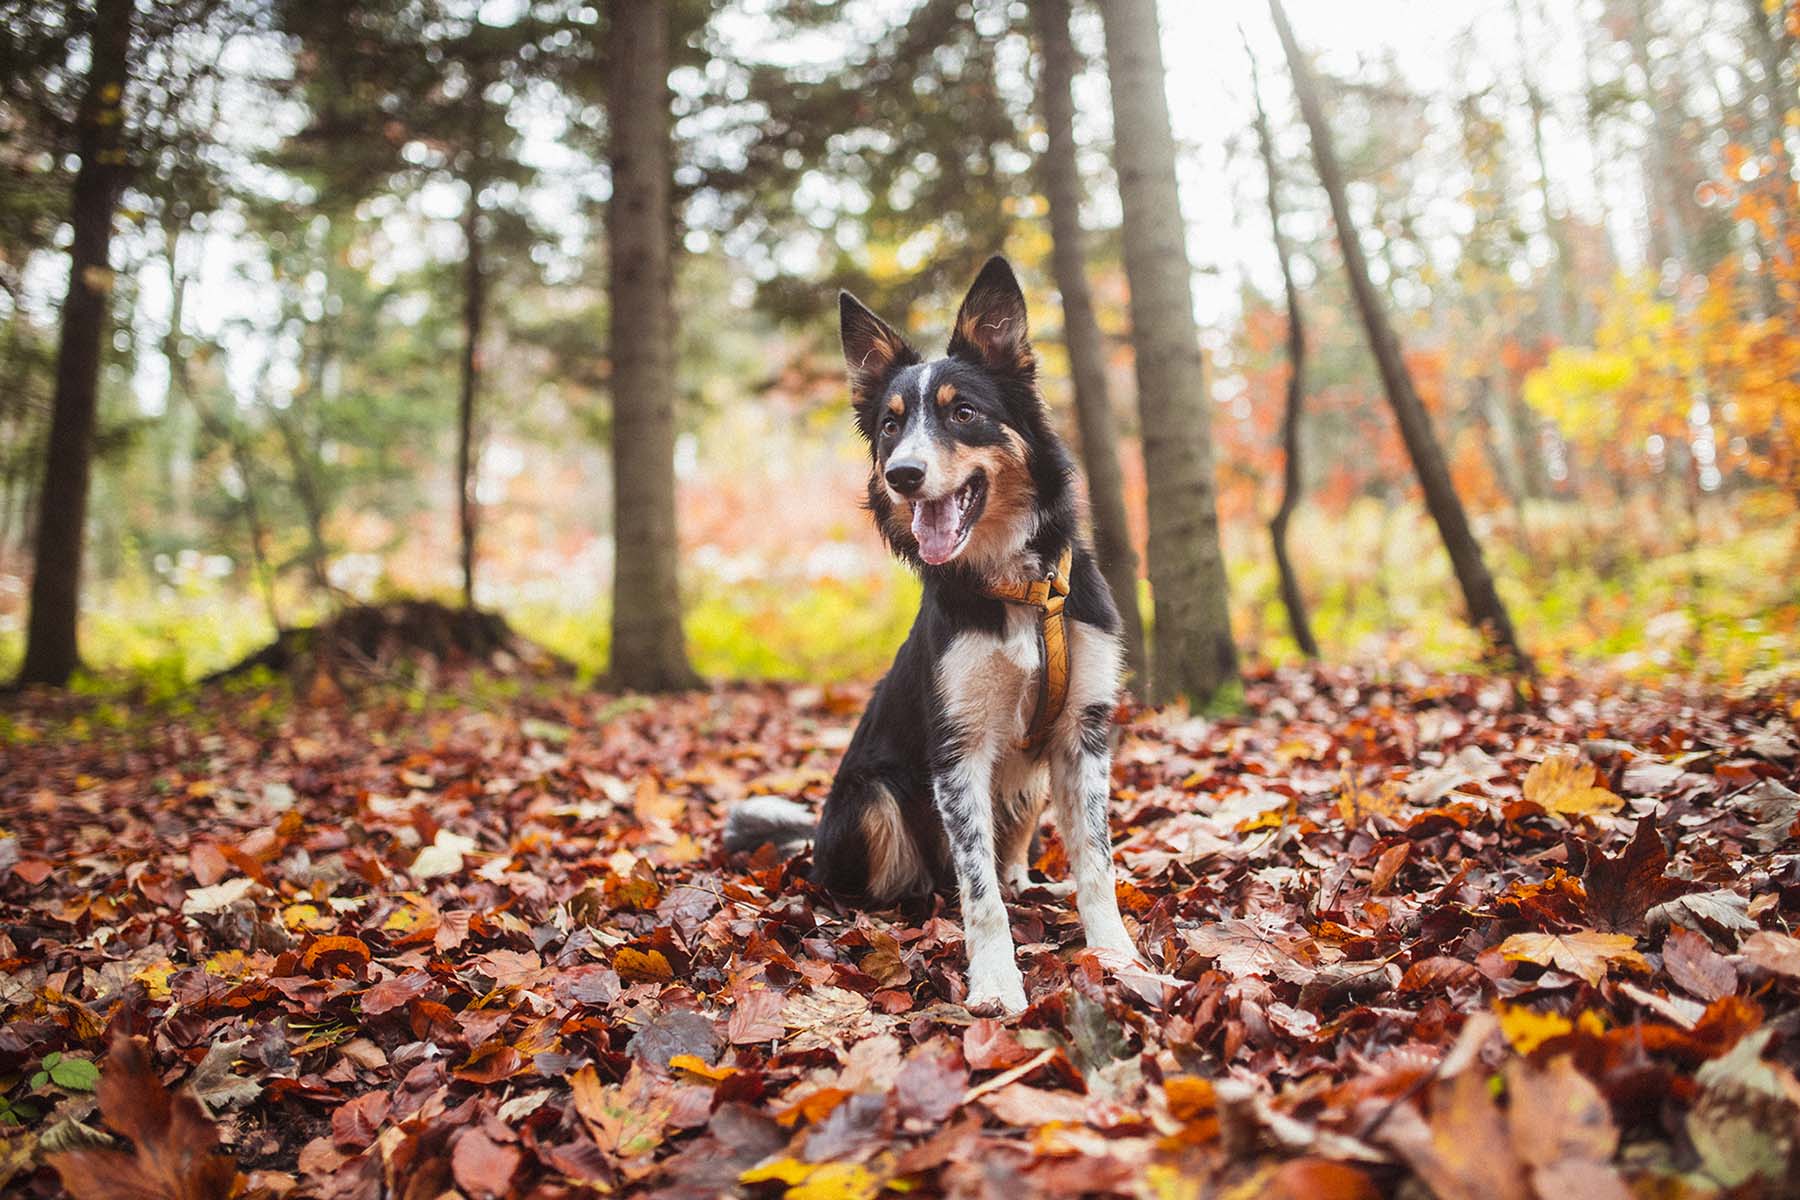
866, 849
1021, 793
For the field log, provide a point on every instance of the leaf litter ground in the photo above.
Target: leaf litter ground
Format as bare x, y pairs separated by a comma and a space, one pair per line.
1407, 934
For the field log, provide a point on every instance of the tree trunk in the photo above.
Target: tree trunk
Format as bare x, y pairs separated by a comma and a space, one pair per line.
1291, 597
1668, 227
181, 388
51, 653
1483, 601
1081, 331
648, 653
466, 511
1564, 303
1193, 654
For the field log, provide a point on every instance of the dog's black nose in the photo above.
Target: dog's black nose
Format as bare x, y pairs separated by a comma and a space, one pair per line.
905, 476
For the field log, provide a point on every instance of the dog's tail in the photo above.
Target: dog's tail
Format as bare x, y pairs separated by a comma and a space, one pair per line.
768, 819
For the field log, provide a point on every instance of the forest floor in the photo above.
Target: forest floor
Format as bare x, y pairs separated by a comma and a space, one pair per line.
1409, 934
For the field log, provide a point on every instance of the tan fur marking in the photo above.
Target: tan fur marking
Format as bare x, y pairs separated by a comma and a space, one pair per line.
896, 404
946, 394
1004, 524
894, 866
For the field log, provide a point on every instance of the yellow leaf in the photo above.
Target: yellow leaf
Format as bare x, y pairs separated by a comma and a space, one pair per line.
640, 966
155, 979
817, 1181
305, 916
1585, 953
1526, 1029
228, 964
693, 1064
1566, 784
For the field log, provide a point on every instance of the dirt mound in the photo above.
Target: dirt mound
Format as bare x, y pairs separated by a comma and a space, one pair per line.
380, 638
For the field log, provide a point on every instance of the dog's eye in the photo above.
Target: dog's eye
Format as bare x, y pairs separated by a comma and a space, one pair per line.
890, 427
962, 414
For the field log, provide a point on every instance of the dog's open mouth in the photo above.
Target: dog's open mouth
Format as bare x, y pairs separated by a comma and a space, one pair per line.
942, 526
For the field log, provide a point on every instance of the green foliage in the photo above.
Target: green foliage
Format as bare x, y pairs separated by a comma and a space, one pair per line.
66, 1071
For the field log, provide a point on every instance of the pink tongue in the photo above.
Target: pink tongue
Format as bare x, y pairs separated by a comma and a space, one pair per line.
934, 525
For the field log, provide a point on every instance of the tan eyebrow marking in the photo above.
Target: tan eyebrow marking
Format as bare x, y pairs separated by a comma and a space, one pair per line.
946, 394
895, 404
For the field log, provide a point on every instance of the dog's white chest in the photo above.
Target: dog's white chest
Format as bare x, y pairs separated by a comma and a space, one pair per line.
1022, 644
989, 683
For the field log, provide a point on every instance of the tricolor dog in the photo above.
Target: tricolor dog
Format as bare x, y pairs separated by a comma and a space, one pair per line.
1000, 701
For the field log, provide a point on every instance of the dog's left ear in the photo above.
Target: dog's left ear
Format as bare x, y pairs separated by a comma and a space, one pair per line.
990, 327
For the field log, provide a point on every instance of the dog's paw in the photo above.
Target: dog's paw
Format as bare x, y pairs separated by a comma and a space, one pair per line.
996, 988
1018, 881
1114, 945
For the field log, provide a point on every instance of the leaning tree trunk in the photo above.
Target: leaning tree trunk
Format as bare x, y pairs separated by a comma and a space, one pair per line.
1484, 604
51, 653
1081, 331
467, 514
648, 653
1291, 597
1193, 653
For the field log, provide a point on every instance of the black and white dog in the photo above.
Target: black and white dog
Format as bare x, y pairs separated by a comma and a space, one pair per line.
1001, 699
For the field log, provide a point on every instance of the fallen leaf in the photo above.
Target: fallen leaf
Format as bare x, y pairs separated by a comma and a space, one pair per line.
1585, 953
174, 1151
1567, 784
482, 1166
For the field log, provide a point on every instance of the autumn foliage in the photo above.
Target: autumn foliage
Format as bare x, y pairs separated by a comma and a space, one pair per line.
1401, 930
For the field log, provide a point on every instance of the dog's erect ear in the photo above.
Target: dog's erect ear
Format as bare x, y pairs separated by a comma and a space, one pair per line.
990, 327
872, 348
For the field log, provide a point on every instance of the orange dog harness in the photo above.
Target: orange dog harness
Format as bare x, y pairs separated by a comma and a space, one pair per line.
1047, 596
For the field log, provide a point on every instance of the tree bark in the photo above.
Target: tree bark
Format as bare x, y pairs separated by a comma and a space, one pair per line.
1193, 654
1485, 608
648, 652
1061, 179
467, 512
1291, 597
51, 651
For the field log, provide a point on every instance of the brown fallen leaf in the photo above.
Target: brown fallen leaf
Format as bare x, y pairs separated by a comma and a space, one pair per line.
1776, 953
1555, 1114
1696, 967
1621, 888
482, 1166
1461, 1151
174, 1153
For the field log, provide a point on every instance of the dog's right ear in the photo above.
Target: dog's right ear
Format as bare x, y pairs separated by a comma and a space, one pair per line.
873, 350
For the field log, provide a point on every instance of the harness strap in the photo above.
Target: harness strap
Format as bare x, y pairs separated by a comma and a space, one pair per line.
1047, 596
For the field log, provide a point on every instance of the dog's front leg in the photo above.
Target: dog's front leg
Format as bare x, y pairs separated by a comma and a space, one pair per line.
1081, 793
963, 789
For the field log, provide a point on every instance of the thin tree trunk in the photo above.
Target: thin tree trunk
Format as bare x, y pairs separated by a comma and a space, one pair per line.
467, 512
1485, 607
1670, 233
648, 652
1291, 597
1081, 331
51, 653
181, 386
312, 503
1564, 303
1193, 652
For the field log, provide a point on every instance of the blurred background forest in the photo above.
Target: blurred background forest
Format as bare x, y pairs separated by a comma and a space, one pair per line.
359, 272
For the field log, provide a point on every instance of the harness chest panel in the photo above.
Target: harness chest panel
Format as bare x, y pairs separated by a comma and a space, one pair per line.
1047, 595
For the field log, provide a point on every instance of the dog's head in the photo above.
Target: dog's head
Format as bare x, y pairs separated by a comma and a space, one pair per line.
961, 447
